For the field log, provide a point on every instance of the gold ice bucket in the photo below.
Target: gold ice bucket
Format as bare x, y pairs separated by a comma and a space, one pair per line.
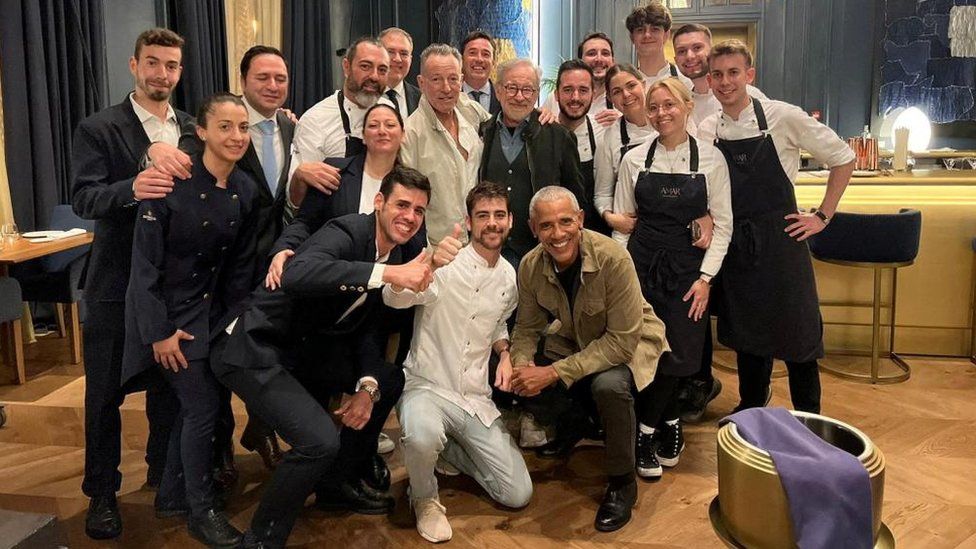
751, 509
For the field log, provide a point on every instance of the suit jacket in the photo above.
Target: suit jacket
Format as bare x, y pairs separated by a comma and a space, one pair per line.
318, 207
329, 272
413, 97
107, 150
270, 209
494, 107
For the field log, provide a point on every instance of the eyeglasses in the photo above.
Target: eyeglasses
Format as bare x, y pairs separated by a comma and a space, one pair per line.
512, 90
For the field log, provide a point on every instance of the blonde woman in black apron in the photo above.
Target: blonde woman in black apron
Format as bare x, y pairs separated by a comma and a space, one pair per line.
670, 183
625, 88
769, 307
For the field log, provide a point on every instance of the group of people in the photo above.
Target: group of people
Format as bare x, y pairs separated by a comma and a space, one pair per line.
449, 250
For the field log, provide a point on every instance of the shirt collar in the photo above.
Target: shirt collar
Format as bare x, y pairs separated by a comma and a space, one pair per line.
748, 113
254, 117
518, 129
400, 90
145, 115
486, 89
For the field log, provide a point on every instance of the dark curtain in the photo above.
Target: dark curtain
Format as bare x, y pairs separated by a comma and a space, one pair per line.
201, 23
308, 48
53, 68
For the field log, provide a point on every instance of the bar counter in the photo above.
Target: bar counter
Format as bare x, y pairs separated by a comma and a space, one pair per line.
934, 294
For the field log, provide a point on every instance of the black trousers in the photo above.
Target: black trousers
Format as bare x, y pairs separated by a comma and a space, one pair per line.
298, 418
104, 333
704, 372
658, 402
189, 462
224, 429
610, 394
754, 373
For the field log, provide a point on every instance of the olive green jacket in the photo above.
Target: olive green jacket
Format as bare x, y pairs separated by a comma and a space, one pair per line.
611, 323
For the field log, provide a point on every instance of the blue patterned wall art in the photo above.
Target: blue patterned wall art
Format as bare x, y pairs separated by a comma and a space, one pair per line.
508, 21
919, 67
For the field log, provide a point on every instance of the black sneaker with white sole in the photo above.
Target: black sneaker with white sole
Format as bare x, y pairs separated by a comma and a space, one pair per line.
647, 463
672, 442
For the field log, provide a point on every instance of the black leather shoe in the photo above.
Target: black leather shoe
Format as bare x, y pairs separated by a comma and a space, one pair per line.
213, 530
103, 520
250, 541
699, 394
376, 474
354, 497
615, 509
265, 445
559, 448
225, 471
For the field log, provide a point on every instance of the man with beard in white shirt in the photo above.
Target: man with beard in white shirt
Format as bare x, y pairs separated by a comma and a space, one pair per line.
333, 127
692, 44
596, 50
449, 421
650, 29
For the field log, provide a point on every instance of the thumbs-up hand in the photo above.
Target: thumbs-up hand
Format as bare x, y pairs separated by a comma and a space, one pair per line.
415, 275
448, 248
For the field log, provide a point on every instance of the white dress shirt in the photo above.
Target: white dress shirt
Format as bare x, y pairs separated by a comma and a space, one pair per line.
706, 104
792, 130
461, 314
665, 72
711, 163
367, 194
586, 152
257, 139
157, 130
401, 95
608, 158
486, 91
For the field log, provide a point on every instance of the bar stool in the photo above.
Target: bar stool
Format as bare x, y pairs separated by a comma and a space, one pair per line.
877, 242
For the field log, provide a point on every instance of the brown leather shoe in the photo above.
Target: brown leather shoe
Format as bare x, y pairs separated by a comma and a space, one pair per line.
265, 445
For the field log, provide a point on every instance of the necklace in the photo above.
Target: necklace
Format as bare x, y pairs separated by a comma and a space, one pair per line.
672, 158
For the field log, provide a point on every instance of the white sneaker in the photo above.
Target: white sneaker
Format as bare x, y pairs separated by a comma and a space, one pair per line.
445, 467
432, 521
531, 434
385, 444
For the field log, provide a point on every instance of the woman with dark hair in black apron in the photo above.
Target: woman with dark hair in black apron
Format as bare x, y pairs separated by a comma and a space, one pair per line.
769, 307
625, 88
670, 183
192, 269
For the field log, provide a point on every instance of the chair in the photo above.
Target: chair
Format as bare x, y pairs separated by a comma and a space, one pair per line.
877, 242
55, 279
11, 336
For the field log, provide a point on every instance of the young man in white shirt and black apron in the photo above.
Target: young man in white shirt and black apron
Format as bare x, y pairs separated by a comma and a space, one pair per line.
768, 308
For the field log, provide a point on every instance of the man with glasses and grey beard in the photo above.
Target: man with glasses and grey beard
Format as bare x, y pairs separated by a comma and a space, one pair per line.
523, 155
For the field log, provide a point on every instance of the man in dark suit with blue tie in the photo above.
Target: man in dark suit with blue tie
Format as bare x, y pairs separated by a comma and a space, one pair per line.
110, 154
320, 333
264, 83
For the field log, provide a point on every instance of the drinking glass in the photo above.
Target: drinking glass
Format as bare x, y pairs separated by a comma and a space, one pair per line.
9, 233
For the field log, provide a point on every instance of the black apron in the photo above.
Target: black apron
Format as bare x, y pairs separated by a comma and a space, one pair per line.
768, 304
667, 263
354, 145
593, 220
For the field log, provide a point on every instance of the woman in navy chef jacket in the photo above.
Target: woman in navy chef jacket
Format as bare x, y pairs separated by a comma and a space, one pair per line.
671, 182
192, 268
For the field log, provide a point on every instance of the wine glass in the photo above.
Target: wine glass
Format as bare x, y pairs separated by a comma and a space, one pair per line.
9, 233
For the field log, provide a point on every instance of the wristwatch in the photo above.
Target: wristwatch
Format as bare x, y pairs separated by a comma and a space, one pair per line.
823, 217
372, 390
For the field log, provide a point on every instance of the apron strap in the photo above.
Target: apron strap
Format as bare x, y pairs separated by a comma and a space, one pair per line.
674, 70
692, 159
589, 131
342, 114
760, 115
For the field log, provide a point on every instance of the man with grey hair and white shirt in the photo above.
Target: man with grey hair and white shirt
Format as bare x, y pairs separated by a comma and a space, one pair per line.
524, 155
441, 138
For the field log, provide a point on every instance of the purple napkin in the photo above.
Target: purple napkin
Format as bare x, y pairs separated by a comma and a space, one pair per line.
828, 489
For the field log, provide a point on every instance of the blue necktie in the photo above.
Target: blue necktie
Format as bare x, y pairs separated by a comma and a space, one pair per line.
268, 161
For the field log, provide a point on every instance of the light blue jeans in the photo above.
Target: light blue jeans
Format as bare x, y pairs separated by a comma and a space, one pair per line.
433, 426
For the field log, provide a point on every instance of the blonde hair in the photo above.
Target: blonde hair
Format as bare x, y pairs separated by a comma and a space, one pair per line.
674, 86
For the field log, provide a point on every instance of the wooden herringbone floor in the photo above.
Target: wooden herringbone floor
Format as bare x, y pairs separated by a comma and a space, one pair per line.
926, 428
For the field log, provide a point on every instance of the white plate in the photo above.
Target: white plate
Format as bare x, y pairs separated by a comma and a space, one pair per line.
42, 234
42, 239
